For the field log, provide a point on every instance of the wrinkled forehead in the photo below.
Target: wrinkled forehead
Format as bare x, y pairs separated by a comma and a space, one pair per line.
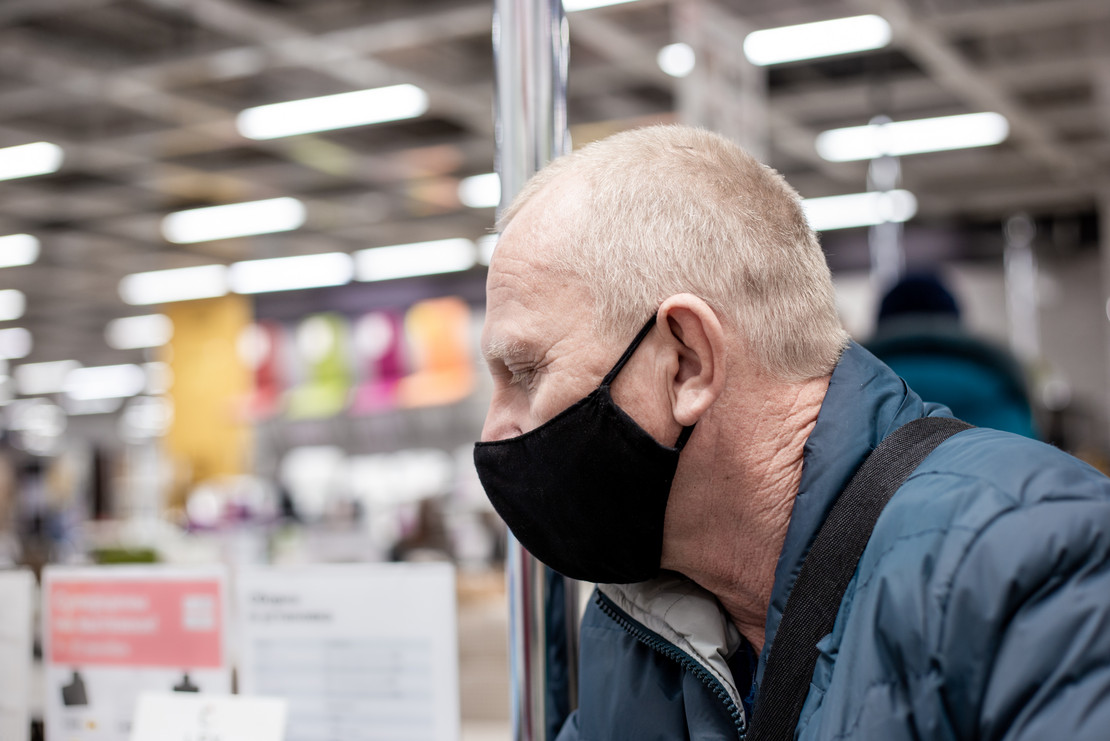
530, 295
528, 277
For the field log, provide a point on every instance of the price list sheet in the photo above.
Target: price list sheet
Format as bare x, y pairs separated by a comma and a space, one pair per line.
359, 652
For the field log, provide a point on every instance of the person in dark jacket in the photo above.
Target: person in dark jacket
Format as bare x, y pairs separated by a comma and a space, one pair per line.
920, 335
675, 410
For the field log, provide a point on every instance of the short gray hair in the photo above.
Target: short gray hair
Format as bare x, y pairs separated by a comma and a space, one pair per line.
676, 209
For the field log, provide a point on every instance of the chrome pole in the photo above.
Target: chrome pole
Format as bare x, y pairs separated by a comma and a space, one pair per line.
1104, 238
530, 59
530, 48
888, 255
1019, 263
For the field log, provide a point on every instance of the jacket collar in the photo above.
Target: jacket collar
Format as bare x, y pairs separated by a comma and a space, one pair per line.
686, 615
865, 402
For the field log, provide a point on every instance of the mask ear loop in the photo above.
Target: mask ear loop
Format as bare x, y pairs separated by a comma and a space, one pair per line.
612, 374
683, 437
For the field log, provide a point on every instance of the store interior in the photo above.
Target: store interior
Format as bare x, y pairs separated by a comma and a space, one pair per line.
298, 382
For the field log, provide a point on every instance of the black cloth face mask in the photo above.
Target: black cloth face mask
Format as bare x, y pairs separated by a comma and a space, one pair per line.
586, 492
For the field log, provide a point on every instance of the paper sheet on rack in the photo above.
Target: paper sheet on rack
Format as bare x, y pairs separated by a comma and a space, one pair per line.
16, 639
361, 652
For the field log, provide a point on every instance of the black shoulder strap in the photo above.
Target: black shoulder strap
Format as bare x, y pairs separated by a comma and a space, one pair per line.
815, 599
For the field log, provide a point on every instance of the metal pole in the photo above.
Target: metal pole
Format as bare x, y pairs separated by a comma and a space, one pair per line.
530, 47
1104, 249
530, 58
1020, 271
888, 257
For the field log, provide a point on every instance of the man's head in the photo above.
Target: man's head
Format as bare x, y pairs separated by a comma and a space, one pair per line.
680, 226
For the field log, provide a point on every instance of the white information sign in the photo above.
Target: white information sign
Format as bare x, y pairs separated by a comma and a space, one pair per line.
182, 717
16, 648
363, 652
112, 632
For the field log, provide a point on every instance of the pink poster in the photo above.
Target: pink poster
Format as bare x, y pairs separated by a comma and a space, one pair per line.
113, 632
171, 624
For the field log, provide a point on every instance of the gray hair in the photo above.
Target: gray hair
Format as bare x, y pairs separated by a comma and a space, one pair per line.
675, 209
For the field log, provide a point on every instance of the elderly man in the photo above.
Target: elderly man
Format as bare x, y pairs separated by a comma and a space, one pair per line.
690, 475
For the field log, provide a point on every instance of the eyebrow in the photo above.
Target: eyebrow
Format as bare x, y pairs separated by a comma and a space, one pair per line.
500, 348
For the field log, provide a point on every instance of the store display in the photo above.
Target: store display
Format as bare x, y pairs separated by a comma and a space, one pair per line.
329, 364
360, 652
110, 633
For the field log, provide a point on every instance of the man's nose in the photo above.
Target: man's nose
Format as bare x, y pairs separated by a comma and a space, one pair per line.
502, 421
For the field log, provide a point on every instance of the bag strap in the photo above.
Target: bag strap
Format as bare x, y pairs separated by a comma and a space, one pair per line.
815, 599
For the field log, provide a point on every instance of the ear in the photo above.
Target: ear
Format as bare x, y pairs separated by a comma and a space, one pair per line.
696, 334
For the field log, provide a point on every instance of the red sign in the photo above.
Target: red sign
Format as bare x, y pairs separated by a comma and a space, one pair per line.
171, 624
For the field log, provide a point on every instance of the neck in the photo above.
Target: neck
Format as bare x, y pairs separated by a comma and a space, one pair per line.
731, 503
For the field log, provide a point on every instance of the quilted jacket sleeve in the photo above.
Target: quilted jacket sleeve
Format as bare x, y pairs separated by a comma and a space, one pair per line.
1025, 639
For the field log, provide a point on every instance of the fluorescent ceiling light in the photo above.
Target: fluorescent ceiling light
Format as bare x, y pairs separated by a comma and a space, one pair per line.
420, 258
32, 379
12, 304
291, 273
677, 60
812, 40
328, 112
859, 209
234, 220
18, 249
134, 332
178, 284
480, 191
15, 343
572, 5
913, 137
26, 160
105, 382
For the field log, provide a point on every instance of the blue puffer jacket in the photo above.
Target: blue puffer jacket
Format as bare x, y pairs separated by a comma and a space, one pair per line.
980, 609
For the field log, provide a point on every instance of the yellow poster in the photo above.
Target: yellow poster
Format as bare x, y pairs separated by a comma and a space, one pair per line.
210, 382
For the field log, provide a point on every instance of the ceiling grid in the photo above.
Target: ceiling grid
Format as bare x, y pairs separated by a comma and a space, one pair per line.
142, 95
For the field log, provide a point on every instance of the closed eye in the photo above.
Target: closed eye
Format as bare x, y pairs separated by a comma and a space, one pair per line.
511, 376
522, 377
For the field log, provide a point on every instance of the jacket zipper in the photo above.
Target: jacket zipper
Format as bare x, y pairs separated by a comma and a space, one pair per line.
659, 644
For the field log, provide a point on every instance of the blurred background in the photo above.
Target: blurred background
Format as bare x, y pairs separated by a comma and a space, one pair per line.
240, 331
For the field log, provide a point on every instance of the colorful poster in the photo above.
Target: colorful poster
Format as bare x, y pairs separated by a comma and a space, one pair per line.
438, 333
261, 347
379, 340
364, 652
208, 432
110, 633
16, 649
322, 348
